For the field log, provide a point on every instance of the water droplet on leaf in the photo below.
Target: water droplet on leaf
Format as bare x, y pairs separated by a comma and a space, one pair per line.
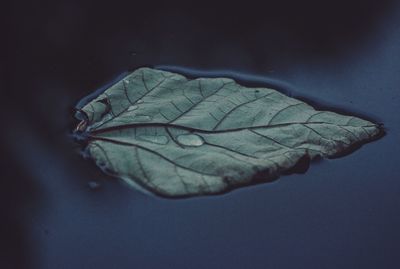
157, 139
190, 140
131, 108
139, 101
142, 118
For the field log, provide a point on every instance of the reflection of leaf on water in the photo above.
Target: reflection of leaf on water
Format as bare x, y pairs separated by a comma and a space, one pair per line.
177, 137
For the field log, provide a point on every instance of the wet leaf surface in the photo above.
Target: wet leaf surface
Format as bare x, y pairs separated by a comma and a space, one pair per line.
177, 137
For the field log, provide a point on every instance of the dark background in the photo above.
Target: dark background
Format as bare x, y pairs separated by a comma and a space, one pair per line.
342, 213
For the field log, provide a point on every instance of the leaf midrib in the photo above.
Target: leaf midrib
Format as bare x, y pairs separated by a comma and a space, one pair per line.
192, 129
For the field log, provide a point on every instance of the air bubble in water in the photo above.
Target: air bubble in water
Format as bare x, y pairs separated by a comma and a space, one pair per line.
93, 185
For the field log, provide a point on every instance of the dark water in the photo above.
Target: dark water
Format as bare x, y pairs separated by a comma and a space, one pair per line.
342, 213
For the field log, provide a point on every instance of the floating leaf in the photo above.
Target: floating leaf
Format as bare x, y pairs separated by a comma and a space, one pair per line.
174, 137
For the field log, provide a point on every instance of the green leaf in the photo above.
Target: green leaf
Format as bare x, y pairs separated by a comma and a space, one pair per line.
176, 137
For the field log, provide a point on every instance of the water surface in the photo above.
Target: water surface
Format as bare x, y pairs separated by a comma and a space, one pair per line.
342, 213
